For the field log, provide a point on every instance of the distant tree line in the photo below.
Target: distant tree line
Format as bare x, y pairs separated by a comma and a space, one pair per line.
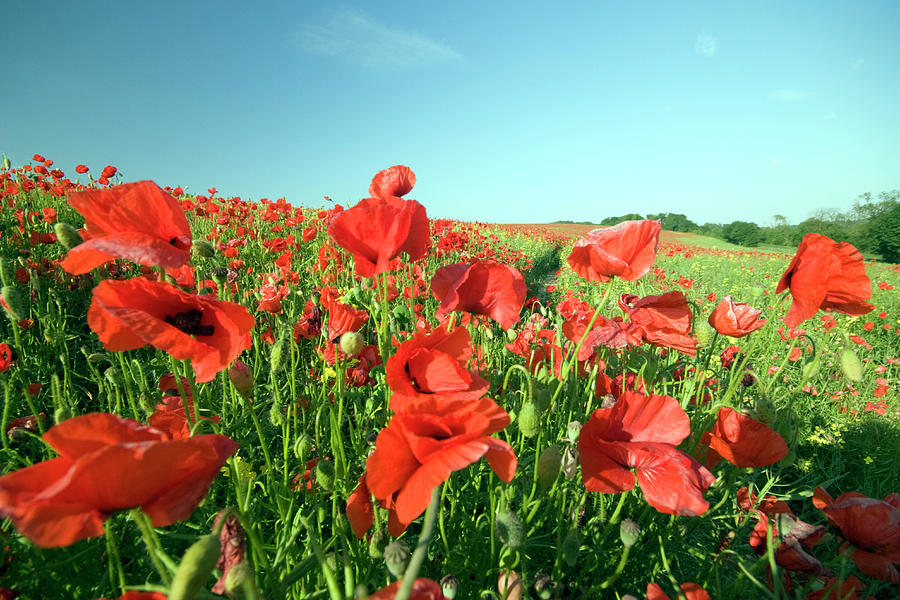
872, 225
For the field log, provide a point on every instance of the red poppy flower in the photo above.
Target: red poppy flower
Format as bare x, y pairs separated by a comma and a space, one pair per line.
484, 287
417, 451
743, 441
873, 526
432, 366
135, 221
136, 595
423, 589
640, 433
664, 320
130, 314
736, 319
343, 318
828, 275
625, 250
81, 169
378, 229
108, 463
109, 171
691, 591
839, 589
6, 357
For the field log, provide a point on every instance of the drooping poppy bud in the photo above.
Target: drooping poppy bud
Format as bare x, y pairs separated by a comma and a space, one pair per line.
67, 236
851, 365
529, 419
195, 567
14, 302
508, 528
548, 466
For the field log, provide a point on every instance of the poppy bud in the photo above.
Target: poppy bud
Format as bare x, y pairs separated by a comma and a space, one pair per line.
202, 249
61, 414
571, 546
195, 567
276, 414
630, 532
548, 466
509, 585
508, 528
14, 302
241, 377
7, 270
302, 445
114, 377
851, 365
395, 555
569, 464
236, 576
220, 275
96, 357
278, 357
704, 332
810, 367
449, 586
511, 335
146, 403
351, 343
529, 421
67, 236
764, 411
376, 545
6, 163
325, 474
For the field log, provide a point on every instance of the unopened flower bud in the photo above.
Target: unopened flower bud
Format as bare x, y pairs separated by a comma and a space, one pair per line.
704, 332
302, 445
220, 275
61, 414
195, 568
279, 355
449, 586
203, 249
548, 466
810, 367
276, 414
351, 343
571, 547
6, 163
377, 545
236, 577
630, 532
529, 420
241, 377
395, 555
508, 528
325, 474
851, 365
67, 236
15, 302
509, 584
114, 377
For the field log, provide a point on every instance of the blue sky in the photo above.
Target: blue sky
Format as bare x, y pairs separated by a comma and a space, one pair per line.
506, 111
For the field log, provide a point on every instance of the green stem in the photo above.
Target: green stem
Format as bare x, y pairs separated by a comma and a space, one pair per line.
409, 577
333, 590
152, 543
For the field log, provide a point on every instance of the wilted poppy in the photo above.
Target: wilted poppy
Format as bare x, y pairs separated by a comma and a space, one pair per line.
828, 275
664, 320
691, 591
484, 287
378, 229
432, 367
625, 250
130, 314
417, 451
136, 221
108, 463
743, 441
735, 319
872, 525
640, 433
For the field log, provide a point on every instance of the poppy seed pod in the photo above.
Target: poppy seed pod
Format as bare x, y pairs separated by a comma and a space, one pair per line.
395, 556
67, 236
449, 586
630, 532
195, 567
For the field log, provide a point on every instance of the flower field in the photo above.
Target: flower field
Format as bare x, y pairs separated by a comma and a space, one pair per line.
206, 396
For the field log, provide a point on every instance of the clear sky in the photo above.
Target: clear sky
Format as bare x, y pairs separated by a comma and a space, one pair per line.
506, 111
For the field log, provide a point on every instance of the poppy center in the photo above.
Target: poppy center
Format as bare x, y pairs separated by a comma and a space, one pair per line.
189, 322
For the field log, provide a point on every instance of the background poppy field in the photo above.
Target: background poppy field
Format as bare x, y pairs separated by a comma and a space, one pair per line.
277, 359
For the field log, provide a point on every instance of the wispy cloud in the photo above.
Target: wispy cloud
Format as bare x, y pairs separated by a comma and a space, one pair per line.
791, 95
706, 45
365, 41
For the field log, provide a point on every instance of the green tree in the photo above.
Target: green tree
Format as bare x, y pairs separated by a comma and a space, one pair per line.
617, 220
743, 233
887, 235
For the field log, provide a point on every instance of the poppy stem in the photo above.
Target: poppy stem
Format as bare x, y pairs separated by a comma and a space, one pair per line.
333, 590
409, 577
152, 543
114, 562
7, 396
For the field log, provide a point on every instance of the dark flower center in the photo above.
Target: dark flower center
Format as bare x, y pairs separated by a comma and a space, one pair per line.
189, 322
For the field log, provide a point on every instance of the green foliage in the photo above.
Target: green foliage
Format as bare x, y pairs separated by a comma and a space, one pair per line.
886, 234
675, 222
617, 220
743, 233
